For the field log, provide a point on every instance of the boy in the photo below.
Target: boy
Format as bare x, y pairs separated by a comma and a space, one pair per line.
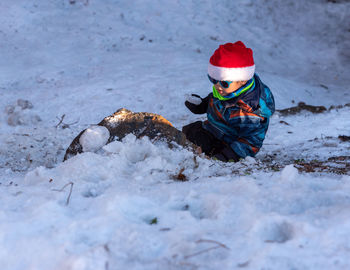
238, 109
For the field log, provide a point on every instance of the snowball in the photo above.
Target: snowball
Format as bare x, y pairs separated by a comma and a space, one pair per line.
250, 160
94, 138
193, 99
289, 173
113, 147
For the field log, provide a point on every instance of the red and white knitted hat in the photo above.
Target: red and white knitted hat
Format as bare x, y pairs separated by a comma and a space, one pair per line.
232, 62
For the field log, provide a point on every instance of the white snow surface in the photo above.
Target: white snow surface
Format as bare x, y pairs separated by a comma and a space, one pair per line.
65, 65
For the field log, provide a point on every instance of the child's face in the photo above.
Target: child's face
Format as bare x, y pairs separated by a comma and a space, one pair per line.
234, 86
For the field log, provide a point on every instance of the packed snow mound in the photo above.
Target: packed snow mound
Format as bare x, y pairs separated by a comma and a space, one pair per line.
131, 155
76, 215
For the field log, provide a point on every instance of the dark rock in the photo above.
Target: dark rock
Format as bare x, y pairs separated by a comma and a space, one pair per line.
124, 122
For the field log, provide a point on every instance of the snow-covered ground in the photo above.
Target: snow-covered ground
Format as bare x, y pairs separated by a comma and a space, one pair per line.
65, 65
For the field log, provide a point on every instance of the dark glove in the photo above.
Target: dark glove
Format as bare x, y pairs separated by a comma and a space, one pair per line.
196, 104
227, 155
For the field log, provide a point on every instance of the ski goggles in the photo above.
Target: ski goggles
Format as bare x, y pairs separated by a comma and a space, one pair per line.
224, 84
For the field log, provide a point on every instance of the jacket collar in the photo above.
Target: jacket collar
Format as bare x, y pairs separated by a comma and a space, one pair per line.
250, 97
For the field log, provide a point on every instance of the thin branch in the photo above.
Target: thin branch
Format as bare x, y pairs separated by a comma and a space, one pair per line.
212, 241
200, 252
193, 266
70, 191
60, 120
65, 125
73, 123
218, 245
196, 164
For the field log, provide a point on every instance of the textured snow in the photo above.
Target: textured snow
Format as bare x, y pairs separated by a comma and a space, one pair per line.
65, 65
115, 120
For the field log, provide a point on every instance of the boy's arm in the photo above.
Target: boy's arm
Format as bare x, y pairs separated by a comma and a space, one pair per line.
249, 142
251, 130
196, 104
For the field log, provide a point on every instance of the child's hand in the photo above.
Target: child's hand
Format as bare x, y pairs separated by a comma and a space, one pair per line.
196, 104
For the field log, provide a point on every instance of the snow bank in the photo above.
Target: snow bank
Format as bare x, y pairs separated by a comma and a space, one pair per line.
123, 208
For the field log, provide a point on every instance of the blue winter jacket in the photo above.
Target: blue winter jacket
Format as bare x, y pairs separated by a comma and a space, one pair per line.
242, 121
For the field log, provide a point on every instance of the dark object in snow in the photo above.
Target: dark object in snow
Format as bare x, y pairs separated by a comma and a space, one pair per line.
153, 221
180, 176
284, 122
24, 104
339, 106
344, 138
302, 106
124, 122
337, 1
338, 165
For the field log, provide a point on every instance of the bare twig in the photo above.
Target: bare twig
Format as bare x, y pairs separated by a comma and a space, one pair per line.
41, 140
196, 164
186, 264
212, 241
70, 191
218, 245
18, 134
73, 123
63, 124
60, 120
68, 125
201, 252
180, 176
